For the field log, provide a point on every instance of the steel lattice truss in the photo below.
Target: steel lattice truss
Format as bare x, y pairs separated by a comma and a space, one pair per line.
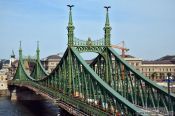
107, 86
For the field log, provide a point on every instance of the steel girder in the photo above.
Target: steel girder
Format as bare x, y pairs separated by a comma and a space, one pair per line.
75, 80
131, 84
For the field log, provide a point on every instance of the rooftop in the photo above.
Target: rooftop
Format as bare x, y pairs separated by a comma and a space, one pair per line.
157, 62
128, 56
53, 57
167, 57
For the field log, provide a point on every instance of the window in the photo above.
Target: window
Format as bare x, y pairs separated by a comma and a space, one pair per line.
137, 64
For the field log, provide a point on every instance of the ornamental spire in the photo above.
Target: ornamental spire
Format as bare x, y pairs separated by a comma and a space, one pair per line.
70, 27
107, 28
107, 15
20, 45
20, 51
70, 15
38, 51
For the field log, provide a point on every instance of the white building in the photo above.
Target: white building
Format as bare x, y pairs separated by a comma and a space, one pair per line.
3, 81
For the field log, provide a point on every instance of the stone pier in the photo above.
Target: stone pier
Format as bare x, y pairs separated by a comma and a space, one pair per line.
13, 95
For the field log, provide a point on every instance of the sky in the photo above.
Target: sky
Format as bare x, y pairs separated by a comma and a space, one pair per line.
146, 26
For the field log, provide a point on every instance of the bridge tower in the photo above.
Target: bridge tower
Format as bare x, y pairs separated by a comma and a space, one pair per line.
70, 27
37, 60
19, 75
70, 34
107, 38
38, 71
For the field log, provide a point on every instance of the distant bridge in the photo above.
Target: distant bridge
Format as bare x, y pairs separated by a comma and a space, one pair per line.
108, 86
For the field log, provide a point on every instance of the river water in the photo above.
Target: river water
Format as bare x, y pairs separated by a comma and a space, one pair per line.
29, 108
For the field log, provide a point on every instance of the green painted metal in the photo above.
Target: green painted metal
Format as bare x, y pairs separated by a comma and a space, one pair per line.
107, 28
38, 71
88, 45
140, 75
130, 83
70, 27
21, 74
108, 86
105, 85
104, 94
67, 99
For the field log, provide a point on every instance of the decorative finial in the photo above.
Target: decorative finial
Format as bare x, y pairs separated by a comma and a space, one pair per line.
107, 7
20, 44
70, 6
20, 52
107, 17
70, 15
70, 27
37, 44
37, 51
107, 28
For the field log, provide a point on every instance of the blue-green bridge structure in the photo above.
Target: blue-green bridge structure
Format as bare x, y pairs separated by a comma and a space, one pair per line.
108, 86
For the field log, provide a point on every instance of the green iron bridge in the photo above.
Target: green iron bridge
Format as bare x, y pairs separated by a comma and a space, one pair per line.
108, 86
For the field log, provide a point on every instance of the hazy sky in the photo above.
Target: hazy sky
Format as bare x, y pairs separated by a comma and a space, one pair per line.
146, 26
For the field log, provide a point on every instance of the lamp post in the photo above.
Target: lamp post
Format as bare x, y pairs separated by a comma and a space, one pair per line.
169, 102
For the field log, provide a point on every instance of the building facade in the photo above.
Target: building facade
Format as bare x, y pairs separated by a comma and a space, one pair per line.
3, 81
156, 70
51, 62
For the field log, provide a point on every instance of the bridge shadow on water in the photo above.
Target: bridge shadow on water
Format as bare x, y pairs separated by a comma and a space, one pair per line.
30, 104
29, 108
43, 108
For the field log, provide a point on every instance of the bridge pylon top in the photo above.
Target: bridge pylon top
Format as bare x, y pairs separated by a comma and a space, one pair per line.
70, 15
89, 45
38, 51
107, 15
20, 51
107, 28
70, 27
